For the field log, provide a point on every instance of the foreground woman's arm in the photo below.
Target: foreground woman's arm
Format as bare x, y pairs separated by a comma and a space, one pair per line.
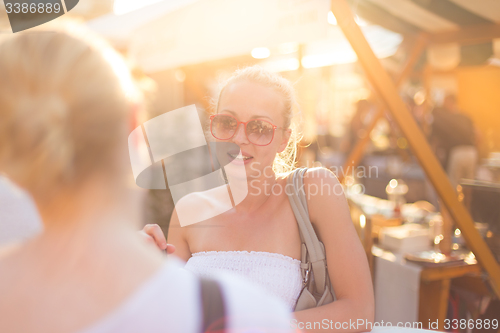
346, 260
153, 234
177, 237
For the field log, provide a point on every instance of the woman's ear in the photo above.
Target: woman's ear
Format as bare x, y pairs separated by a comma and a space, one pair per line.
286, 136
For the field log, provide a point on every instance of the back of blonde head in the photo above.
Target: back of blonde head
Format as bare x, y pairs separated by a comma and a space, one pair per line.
284, 161
63, 105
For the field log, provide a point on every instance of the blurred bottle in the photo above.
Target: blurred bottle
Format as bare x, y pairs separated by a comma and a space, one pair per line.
396, 191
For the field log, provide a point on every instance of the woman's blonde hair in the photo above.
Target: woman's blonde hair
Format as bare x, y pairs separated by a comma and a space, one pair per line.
64, 103
286, 160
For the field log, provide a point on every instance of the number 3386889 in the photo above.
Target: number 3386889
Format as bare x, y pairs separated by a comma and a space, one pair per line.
32, 8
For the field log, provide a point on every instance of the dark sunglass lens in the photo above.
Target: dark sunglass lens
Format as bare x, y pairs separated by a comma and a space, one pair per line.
223, 127
260, 132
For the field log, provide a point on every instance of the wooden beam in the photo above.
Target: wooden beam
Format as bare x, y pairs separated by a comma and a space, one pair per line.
474, 34
419, 47
377, 15
427, 80
386, 88
357, 152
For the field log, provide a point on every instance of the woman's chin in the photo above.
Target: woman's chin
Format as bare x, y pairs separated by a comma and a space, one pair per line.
249, 171
236, 171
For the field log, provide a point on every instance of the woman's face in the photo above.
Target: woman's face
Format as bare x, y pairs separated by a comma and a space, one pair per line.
246, 101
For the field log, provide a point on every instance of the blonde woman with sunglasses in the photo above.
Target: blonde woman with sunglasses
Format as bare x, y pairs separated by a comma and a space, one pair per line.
259, 238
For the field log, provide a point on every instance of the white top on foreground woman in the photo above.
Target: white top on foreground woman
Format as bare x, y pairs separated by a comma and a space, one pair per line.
67, 105
259, 237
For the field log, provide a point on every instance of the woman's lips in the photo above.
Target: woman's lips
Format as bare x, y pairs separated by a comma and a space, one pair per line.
240, 159
236, 152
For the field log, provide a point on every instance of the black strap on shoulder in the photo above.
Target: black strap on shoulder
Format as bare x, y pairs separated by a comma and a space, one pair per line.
214, 312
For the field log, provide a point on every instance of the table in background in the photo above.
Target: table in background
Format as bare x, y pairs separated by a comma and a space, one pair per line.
434, 284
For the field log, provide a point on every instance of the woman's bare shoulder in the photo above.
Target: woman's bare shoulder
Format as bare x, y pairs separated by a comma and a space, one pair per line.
324, 194
323, 179
199, 206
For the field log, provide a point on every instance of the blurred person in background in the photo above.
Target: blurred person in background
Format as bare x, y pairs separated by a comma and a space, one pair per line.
454, 140
357, 127
67, 105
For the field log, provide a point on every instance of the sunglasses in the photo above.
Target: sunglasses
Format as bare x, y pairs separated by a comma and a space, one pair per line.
259, 132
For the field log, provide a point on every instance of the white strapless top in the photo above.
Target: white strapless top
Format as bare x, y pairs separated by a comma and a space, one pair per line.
278, 274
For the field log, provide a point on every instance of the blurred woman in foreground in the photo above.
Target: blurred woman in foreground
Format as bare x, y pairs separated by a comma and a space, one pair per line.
66, 109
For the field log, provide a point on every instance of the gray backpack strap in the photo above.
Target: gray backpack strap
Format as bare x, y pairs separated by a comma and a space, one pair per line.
213, 307
315, 249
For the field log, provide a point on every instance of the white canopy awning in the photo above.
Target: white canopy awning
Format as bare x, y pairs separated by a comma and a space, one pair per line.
171, 34
119, 28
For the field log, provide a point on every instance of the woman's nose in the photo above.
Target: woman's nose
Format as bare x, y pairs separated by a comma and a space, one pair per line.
240, 136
